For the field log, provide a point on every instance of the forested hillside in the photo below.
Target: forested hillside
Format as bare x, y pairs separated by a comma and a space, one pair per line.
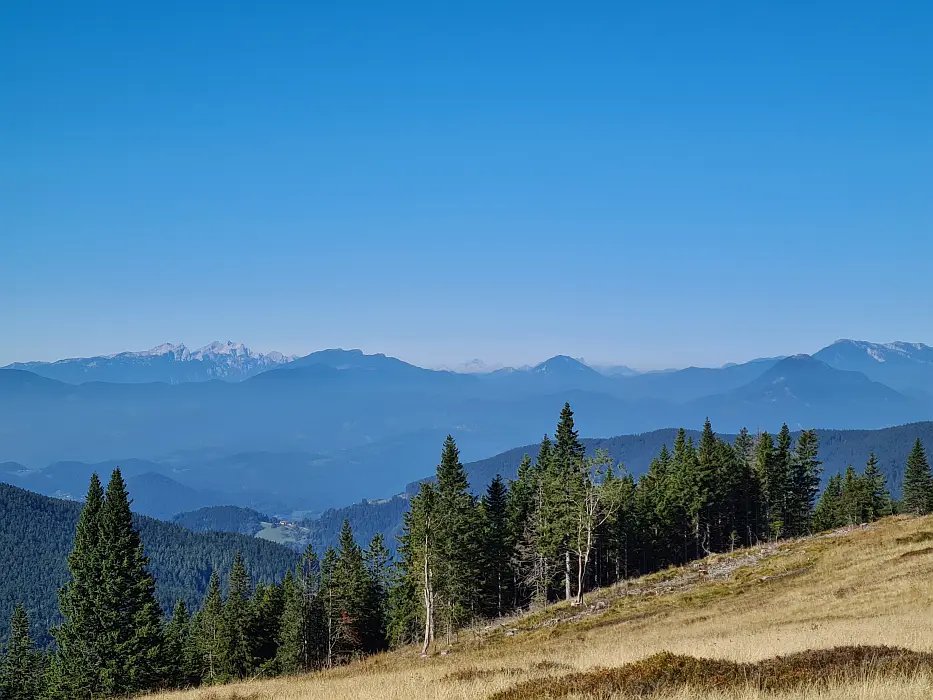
242, 521
37, 532
838, 450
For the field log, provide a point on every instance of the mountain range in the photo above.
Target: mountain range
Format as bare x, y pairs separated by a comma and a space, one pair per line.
317, 432
172, 364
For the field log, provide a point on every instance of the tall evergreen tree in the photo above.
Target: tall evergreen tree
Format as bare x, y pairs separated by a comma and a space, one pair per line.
458, 563
302, 640
522, 500
180, 654
828, 513
420, 552
744, 446
236, 622
496, 550
127, 606
210, 634
804, 484
562, 483
81, 636
377, 560
918, 482
852, 503
876, 490
21, 668
265, 616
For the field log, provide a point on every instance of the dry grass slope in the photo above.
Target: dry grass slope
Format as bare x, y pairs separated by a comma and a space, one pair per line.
726, 617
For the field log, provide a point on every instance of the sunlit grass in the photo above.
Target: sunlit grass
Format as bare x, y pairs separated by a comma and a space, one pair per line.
816, 593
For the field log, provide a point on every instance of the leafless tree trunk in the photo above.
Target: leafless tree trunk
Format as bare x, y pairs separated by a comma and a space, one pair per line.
428, 601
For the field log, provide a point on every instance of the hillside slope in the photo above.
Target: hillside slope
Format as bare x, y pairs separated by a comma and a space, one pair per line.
867, 586
37, 533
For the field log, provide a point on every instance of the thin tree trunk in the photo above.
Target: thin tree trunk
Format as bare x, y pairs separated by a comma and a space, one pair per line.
567, 575
428, 603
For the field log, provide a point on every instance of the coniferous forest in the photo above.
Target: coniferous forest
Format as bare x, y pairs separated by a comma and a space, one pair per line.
568, 523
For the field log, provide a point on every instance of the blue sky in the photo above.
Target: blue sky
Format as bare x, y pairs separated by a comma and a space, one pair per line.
658, 184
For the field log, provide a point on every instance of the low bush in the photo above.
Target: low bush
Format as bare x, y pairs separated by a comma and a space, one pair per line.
666, 672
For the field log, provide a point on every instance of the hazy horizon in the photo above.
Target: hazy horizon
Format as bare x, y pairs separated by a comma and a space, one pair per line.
457, 364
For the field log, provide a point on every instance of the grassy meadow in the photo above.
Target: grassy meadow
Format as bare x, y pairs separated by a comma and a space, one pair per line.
868, 586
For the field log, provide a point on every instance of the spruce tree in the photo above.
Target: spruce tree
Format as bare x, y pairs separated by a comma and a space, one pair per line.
209, 633
236, 622
779, 484
377, 559
918, 482
265, 615
497, 547
852, 504
419, 553
828, 512
127, 606
81, 636
302, 640
458, 564
770, 471
21, 668
522, 498
744, 447
180, 657
876, 490
563, 483
804, 484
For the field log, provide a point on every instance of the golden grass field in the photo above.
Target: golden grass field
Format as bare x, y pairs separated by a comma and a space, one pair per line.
873, 585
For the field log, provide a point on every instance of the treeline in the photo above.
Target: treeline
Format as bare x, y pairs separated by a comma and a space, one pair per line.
568, 523
572, 522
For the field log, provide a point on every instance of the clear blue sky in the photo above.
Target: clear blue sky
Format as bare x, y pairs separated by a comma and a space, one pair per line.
658, 184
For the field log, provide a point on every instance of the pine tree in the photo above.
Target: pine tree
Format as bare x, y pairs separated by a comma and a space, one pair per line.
21, 668
918, 482
497, 547
236, 622
127, 606
876, 490
80, 636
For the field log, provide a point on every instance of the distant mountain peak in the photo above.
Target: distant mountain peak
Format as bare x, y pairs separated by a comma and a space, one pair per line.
562, 364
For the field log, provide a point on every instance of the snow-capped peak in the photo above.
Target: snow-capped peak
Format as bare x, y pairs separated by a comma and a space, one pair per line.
898, 350
180, 352
229, 348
